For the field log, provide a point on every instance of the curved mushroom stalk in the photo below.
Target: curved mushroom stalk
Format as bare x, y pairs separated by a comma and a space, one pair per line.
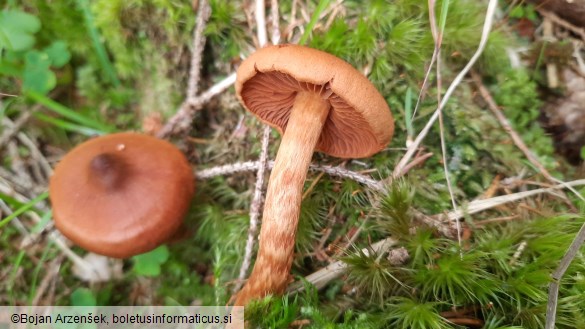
319, 102
283, 198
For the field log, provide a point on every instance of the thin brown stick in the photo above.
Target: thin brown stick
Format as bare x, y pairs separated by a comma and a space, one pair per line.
275, 22
257, 199
484, 204
260, 16
14, 127
198, 46
53, 271
438, 37
486, 95
495, 220
561, 22
38, 156
253, 165
552, 74
518, 253
181, 121
557, 275
417, 161
255, 209
483, 41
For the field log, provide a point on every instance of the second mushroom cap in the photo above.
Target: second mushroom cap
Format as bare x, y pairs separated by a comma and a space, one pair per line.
121, 194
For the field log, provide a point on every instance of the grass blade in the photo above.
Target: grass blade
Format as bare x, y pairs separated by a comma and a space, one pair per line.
37, 271
320, 7
69, 126
13, 275
67, 112
408, 116
100, 50
24, 208
443, 17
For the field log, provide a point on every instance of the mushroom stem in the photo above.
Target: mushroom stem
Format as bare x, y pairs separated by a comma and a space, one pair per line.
283, 198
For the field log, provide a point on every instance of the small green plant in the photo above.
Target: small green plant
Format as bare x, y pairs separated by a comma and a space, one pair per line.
502, 275
83, 297
149, 264
526, 11
20, 60
404, 312
517, 94
17, 30
272, 312
395, 208
374, 274
35, 70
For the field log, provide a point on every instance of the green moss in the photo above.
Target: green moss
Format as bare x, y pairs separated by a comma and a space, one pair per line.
501, 271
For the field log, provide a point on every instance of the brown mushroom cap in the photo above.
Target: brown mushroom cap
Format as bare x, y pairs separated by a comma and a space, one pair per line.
359, 123
122, 194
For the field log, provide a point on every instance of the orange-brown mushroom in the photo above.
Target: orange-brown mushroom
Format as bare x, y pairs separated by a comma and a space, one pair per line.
121, 194
318, 102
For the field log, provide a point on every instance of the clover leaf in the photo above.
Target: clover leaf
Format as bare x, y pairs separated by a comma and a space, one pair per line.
148, 264
58, 54
17, 30
83, 297
37, 76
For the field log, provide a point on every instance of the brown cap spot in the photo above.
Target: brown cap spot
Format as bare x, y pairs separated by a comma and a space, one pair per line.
121, 201
359, 123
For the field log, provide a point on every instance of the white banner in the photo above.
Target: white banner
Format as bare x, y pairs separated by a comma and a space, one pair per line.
94, 317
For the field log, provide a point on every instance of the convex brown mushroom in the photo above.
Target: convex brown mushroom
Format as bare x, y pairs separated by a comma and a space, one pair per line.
121, 194
317, 102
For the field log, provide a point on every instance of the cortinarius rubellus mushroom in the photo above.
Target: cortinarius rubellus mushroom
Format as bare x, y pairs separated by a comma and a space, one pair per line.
317, 102
121, 194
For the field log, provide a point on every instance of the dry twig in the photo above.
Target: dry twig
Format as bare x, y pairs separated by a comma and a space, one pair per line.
557, 275
438, 37
485, 94
484, 37
259, 15
181, 121
14, 127
514, 135
198, 46
561, 22
50, 275
275, 15
484, 204
255, 209
253, 165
